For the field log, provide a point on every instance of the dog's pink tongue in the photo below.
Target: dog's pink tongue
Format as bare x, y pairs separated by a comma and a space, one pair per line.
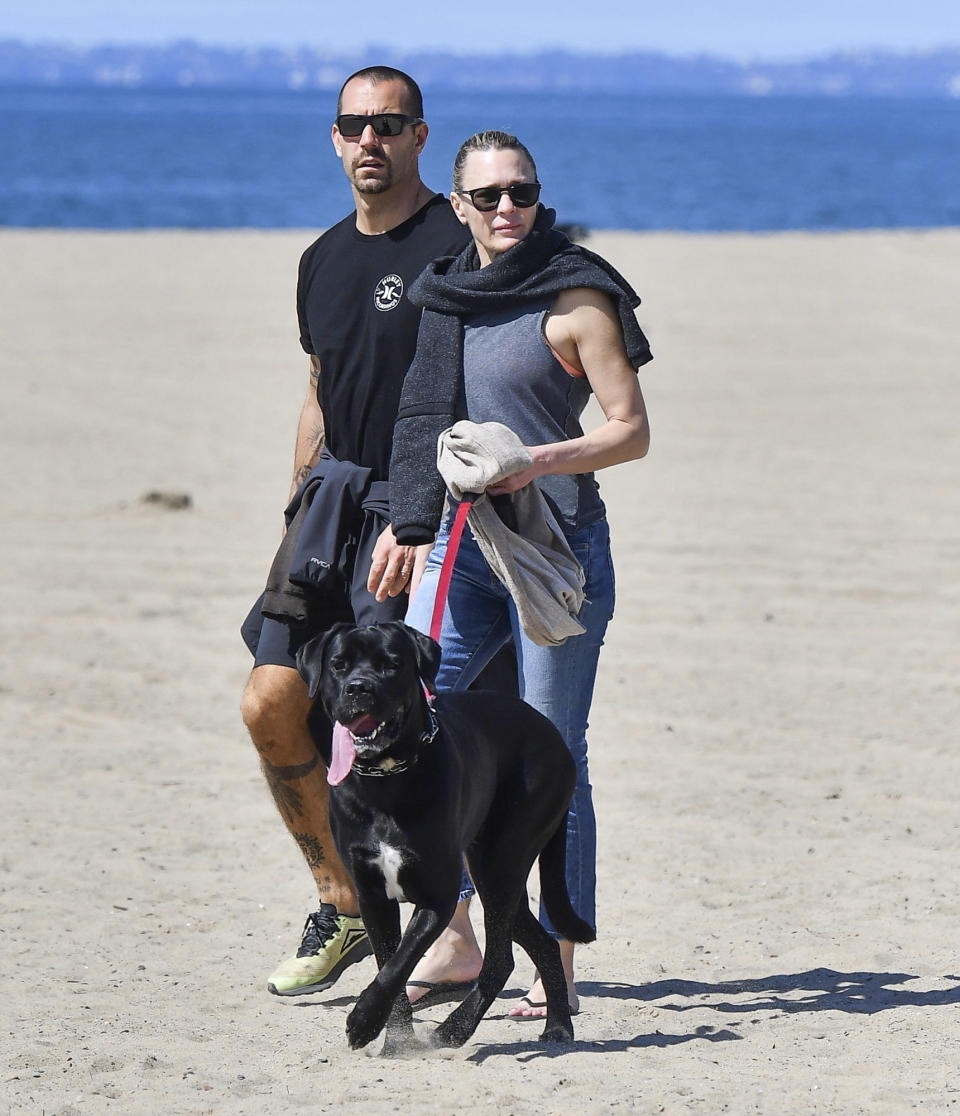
344, 753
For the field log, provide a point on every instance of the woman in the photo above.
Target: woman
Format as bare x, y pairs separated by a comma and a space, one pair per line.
522, 327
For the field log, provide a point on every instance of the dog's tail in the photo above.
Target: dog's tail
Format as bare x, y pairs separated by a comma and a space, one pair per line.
553, 889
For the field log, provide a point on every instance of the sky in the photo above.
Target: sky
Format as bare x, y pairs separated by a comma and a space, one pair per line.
770, 29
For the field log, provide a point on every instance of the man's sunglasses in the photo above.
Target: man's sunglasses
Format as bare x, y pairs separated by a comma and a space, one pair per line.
487, 198
383, 123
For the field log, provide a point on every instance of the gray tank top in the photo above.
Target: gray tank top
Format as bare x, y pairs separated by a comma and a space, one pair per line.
511, 376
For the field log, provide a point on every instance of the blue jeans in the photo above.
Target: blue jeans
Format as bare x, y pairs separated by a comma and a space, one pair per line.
480, 617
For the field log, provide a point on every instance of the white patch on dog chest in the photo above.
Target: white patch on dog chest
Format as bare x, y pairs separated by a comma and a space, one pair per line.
390, 862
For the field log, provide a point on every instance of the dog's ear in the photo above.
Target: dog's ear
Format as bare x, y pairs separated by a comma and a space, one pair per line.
311, 657
427, 651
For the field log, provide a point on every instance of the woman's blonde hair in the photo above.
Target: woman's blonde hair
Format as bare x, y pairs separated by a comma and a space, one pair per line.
487, 141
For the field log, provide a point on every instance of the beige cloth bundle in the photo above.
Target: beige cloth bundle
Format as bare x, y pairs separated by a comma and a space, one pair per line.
535, 564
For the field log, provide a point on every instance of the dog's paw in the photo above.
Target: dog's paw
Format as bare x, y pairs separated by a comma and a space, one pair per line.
367, 1019
557, 1033
448, 1037
400, 1044
454, 1030
359, 1030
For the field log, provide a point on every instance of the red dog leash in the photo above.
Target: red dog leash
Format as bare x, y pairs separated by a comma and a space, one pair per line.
446, 570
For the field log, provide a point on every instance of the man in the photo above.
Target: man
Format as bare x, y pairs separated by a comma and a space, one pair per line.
360, 333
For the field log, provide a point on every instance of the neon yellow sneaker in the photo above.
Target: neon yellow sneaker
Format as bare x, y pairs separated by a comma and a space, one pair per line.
331, 943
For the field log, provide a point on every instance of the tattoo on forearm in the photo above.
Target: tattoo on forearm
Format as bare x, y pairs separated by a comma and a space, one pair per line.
314, 439
289, 799
311, 849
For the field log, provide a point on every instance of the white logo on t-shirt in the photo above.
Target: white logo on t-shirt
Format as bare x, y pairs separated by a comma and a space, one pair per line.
388, 292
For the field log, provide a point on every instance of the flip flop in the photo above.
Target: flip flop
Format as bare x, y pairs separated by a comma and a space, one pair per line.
514, 1014
443, 992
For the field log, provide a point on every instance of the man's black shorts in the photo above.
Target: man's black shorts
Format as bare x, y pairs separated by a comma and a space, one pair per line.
274, 644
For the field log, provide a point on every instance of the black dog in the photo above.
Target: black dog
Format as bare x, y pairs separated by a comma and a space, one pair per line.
413, 788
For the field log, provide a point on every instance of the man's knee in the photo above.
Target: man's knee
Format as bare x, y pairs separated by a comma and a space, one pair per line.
274, 703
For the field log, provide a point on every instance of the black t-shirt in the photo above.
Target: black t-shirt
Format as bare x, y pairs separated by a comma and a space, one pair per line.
355, 316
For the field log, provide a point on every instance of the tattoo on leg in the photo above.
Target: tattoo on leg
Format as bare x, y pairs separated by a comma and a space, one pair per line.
289, 800
311, 849
294, 771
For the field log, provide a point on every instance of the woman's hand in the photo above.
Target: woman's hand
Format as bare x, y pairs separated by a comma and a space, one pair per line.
516, 481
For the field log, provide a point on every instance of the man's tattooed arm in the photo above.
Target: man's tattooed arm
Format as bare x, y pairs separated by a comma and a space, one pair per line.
310, 430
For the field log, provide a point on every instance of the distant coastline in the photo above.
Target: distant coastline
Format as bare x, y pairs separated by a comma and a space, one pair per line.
189, 64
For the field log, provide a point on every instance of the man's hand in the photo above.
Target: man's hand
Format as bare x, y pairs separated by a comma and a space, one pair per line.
419, 565
391, 566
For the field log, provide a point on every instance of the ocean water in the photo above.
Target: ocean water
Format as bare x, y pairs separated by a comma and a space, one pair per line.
115, 158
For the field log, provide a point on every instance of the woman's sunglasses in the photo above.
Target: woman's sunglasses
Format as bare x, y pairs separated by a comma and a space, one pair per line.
383, 123
487, 198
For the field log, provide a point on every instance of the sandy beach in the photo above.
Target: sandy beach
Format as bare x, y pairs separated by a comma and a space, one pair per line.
774, 733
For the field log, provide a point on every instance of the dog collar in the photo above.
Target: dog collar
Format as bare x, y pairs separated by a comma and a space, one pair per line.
376, 770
